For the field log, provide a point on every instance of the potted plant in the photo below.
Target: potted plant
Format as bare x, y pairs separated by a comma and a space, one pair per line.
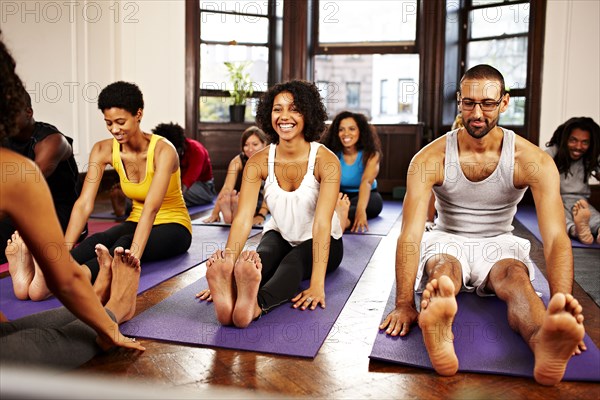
242, 89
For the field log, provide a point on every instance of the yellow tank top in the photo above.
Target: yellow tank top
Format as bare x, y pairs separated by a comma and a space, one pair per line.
172, 210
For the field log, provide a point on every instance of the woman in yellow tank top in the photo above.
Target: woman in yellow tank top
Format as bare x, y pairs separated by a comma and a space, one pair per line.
159, 225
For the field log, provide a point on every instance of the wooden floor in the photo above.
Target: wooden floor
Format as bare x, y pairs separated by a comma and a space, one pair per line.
342, 368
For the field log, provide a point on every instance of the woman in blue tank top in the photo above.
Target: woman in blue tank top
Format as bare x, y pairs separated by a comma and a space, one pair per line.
358, 147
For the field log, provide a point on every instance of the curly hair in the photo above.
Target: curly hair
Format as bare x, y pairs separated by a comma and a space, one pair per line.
560, 138
125, 95
484, 71
307, 101
12, 99
368, 139
175, 134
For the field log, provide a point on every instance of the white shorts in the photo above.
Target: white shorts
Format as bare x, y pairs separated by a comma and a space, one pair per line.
477, 256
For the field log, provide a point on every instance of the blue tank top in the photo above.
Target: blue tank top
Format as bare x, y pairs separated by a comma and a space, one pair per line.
352, 174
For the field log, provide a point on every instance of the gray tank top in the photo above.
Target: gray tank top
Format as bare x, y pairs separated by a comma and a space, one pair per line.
478, 209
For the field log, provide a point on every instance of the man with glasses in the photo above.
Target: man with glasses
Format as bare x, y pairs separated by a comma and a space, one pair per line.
479, 174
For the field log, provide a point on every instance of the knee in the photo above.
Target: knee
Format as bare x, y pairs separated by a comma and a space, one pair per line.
508, 275
443, 264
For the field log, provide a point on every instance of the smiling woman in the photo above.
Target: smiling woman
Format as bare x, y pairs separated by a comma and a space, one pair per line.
159, 225
302, 181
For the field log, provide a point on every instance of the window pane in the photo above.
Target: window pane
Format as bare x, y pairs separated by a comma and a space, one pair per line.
515, 113
397, 102
373, 21
243, 7
509, 56
239, 28
216, 109
497, 21
213, 73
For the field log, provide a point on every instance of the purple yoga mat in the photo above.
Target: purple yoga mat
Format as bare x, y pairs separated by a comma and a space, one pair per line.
527, 216
111, 215
483, 341
285, 330
382, 224
205, 241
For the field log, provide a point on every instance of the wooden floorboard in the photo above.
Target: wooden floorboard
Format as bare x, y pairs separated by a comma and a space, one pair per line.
342, 368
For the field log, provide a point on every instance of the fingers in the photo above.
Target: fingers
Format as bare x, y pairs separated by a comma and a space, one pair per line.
204, 295
304, 301
131, 343
395, 326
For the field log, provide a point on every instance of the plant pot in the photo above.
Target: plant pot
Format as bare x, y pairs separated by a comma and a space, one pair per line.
237, 113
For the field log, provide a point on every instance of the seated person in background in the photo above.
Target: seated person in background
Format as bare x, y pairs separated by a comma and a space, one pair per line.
253, 140
196, 170
53, 153
358, 148
575, 147
159, 226
56, 338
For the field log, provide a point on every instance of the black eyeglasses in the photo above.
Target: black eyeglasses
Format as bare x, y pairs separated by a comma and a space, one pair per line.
486, 105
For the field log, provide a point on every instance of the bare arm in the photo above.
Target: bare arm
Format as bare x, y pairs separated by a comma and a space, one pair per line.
364, 193
418, 188
254, 173
166, 162
27, 202
537, 170
328, 173
51, 151
100, 157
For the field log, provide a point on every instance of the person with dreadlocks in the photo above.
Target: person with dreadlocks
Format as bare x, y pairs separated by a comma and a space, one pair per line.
575, 148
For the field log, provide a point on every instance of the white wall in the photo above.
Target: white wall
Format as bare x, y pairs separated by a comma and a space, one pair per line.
571, 74
66, 52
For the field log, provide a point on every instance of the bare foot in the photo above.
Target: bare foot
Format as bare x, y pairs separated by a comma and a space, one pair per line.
38, 290
438, 308
124, 285
581, 217
104, 278
20, 265
557, 339
247, 273
224, 201
235, 197
342, 208
219, 274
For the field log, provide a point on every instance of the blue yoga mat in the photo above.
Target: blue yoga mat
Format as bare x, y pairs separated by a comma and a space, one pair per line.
483, 341
182, 318
205, 241
527, 216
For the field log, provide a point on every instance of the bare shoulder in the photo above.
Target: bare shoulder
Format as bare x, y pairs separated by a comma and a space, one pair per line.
433, 153
326, 155
531, 162
18, 181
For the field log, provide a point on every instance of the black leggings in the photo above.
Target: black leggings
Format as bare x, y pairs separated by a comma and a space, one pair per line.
374, 206
285, 266
53, 338
165, 241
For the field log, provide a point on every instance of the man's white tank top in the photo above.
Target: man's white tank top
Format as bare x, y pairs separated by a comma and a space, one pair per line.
478, 209
293, 213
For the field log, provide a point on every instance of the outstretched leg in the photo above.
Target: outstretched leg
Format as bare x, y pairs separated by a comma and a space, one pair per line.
554, 334
235, 198
342, 208
38, 290
581, 217
219, 274
438, 308
224, 201
20, 265
247, 272
125, 271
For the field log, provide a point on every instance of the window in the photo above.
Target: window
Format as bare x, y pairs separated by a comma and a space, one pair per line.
234, 31
353, 95
360, 50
